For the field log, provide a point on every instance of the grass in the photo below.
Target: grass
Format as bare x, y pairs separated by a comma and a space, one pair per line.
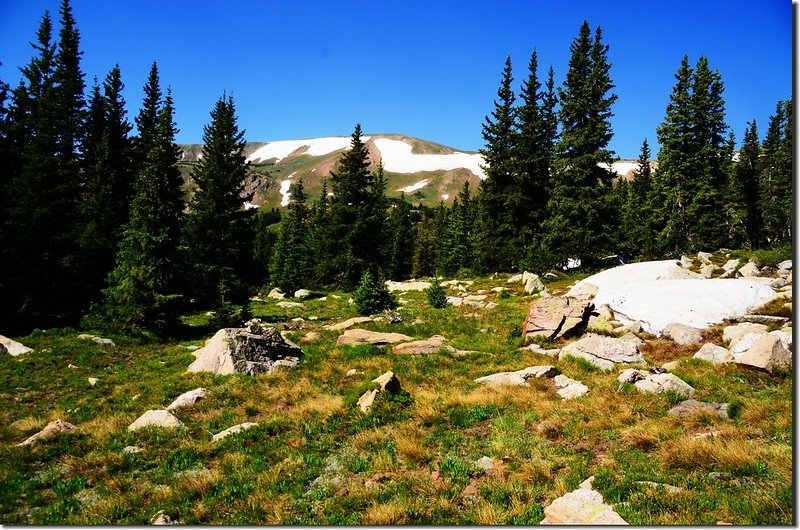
316, 459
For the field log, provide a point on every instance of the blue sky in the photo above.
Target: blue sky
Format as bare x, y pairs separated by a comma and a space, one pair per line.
301, 69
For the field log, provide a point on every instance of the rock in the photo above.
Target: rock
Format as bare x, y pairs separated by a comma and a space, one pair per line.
474, 298
678, 273
386, 382
632, 327
423, 347
156, 418
486, 464
192, 347
734, 333
498, 289
655, 485
685, 262
491, 305
290, 305
785, 265
233, 430
672, 365
605, 352
85, 336
188, 398
784, 336
276, 293
704, 257
520, 377
103, 342
532, 283
584, 506
350, 322
13, 347
713, 354
538, 349
407, 286
767, 353
750, 270
599, 323
162, 519
631, 375
569, 388
311, 336
93, 381
730, 265
132, 449
557, 315
745, 343
352, 371
658, 383
707, 271
764, 319
251, 351
517, 278
51, 429
683, 334
354, 337
691, 406
302, 293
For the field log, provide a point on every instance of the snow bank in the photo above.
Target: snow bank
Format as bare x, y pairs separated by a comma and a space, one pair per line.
315, 147
634, 293
285, 184
414, 187
398, 158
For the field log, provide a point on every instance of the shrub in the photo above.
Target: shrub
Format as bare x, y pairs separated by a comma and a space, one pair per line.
372, 296
227, 316
436, 295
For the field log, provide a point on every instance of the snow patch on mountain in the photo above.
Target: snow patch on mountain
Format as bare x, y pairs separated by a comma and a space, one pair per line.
397, 157
285, 194
414, 187
314, 147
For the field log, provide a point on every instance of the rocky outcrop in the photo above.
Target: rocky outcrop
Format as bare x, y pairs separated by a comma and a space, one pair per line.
557, 315
683, 334
252, 350
605, 352
354, 337
425, 347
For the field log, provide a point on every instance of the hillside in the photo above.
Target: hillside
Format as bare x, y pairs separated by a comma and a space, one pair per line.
425, 171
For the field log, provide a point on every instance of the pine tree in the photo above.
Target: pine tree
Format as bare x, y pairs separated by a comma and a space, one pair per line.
145, 286
775, 176
637, 232
746, 192
457, 245
581, 212
264, 244
319, 243
291, 268
400, 240
218, 228
496, 231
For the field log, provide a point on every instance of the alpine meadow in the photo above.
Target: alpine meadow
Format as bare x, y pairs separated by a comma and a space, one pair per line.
380, 329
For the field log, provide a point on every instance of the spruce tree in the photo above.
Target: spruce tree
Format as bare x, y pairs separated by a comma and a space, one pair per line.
775, 176
637, 232
218, 229
145, 286
291, 266
457, 244
746, 192
400, 239
582, 219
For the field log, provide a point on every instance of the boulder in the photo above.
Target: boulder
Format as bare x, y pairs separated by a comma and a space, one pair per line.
734, 333
93, 381
685, 262
785, 336
350, 322
162, 519
569, 388
785, 265
730, 265
252, 350
51, 429
188, 398
354, 337
691, 407
233, 430
767, 354
103, 342
485, 464
13, 347
584, 506
658, 383
302, 293
713, 354
557, 315
750, 270
517, 278
707, 271
85, 336
745, 343
605, 352
683, 334
386, 382
276, 293
704, 257
532, 283
535, 348
764, 319
407, 286
423, 347
311, 336
156, 418
520, 377
290, 305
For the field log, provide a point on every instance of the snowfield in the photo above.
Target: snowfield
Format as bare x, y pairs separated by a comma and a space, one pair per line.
414, 187
315, 147
285, 184
398, 158
620, 167
634, 293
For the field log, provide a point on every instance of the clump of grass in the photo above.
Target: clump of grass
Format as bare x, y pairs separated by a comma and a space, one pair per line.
775, 308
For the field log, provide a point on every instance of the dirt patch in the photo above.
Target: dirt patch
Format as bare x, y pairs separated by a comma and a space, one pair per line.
660, 351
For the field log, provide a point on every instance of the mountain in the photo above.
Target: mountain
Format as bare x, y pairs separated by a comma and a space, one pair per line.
426, 171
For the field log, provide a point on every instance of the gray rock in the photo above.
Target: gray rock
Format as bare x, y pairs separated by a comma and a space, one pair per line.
631, 375
785, 265
767, 353
532, 283
156, 418
730, 265
103, 342
707, 271
691, 406
162, 519
350, 322
12, 347
557, 315
683, 334
290, 305
132, 449
745, 342
520, 377
750, 270
386, 382
655, 485
188, 398
354, 337
605, 352
704, 257
569, 388
658, 383
51, 429
302, 293
407, 286
735, 332
251, 351
584, 506
276, 293
486, 464
233, 430
93, 381
713, 354
679, 273
764, 319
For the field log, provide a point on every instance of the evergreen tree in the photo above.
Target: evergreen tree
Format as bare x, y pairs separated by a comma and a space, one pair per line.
218, 228
746, 192
775, 176
264, 244
144, 287
291, 266
581, 212
637, 231
496, 230
457, 245
400, 239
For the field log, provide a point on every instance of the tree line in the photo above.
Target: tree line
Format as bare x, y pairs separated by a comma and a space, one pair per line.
95, 221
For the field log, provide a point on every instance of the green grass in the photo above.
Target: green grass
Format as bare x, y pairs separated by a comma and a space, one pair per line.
316, 459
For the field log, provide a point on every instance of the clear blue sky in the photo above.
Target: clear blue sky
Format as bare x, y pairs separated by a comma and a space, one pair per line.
301, 69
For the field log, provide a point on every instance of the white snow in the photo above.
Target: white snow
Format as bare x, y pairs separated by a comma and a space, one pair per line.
398, 158
285, 184
633, 293
445, 197
249, 205
414, 187
315, 147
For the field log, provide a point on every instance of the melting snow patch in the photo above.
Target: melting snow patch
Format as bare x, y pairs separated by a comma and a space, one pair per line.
315, 147
414, 187
249, 205
398, 158
285, 190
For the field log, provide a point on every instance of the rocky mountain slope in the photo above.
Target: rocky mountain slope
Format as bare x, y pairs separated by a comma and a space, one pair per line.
425, 171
